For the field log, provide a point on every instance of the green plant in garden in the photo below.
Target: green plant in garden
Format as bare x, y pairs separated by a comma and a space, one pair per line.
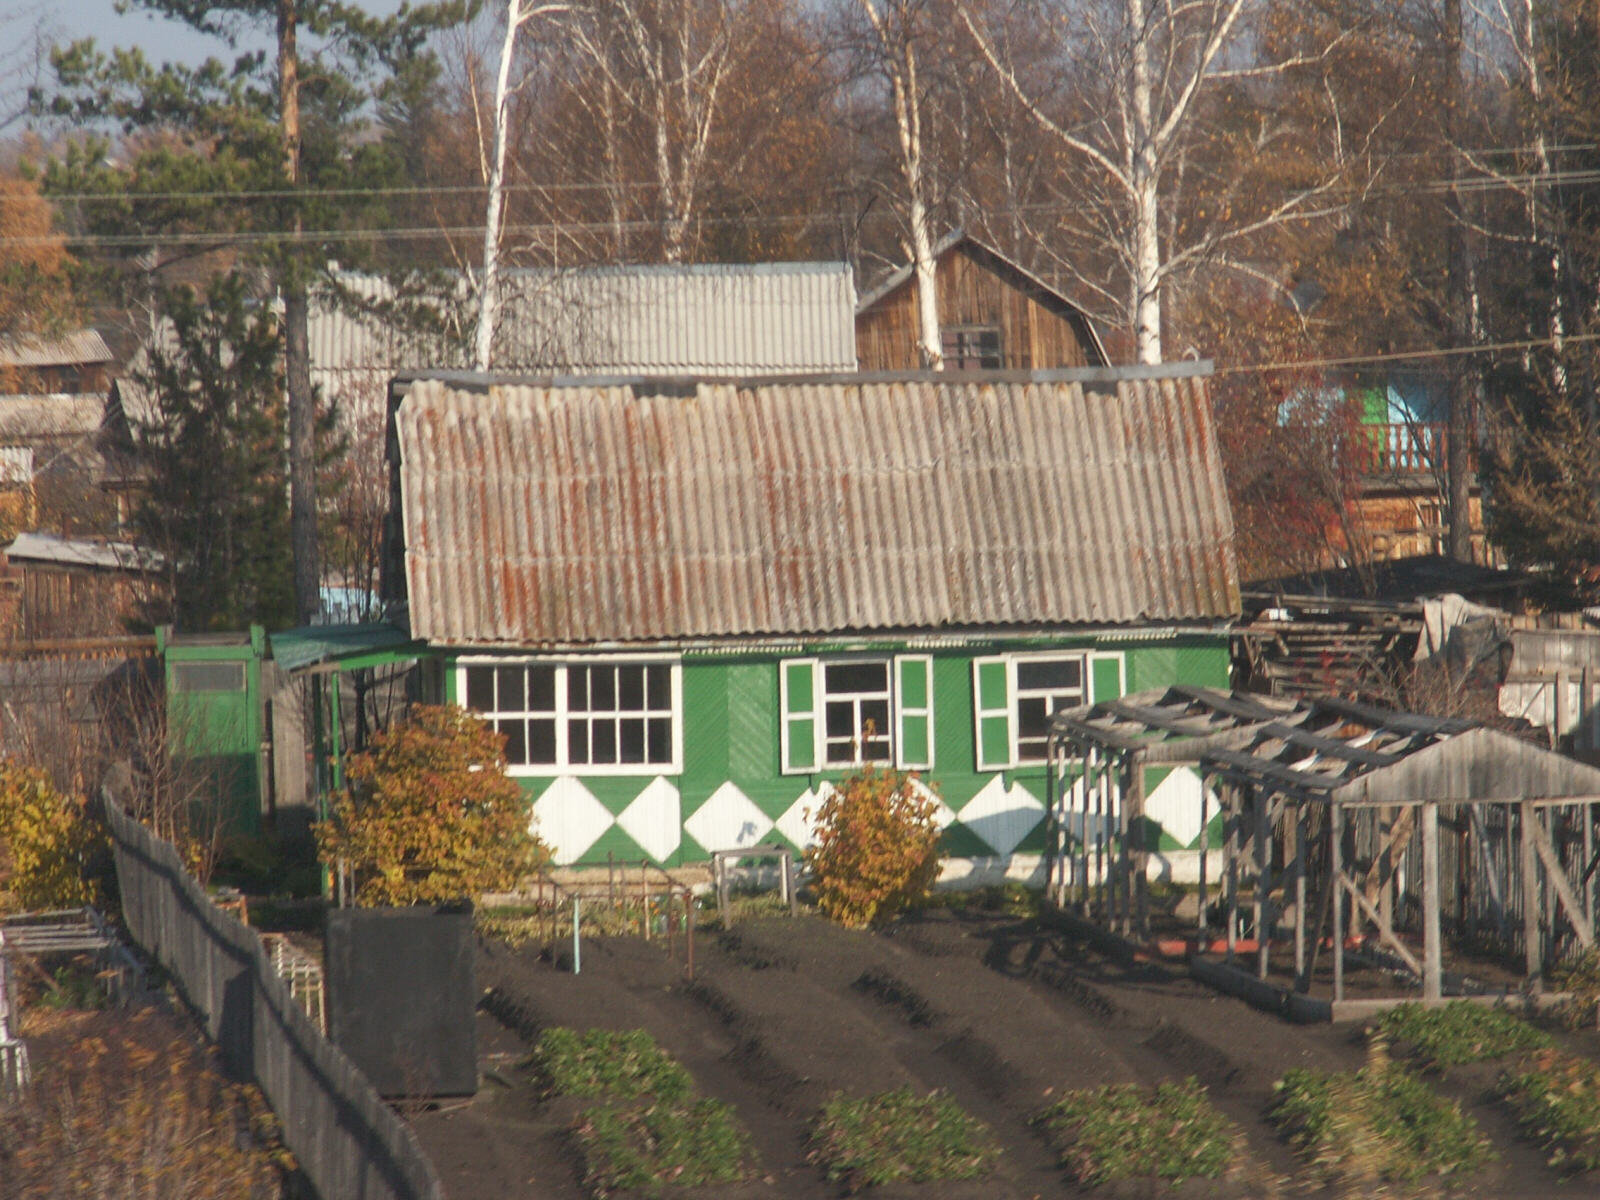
611, 1065
899, 1137
1557, 1100
1460, 1032
1580, 979
430, 814
1380, 1123
651, 1131
1127, 1132
877, 847
689, 1144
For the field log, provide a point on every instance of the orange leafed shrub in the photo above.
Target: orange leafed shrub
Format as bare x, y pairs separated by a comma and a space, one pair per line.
430, 815
47, 840
877, 848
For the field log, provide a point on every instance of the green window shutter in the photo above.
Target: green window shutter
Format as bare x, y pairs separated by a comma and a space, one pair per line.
798, 680
1106, 676
991, 704
913, 707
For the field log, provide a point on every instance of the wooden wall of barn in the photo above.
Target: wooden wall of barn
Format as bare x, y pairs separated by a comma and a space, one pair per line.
970, 293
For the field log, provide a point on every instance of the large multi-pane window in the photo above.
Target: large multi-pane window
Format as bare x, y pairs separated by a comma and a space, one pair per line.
855, 705
1044, 687
597, 716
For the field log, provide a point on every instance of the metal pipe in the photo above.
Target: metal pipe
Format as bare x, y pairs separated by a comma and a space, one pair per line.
577, 944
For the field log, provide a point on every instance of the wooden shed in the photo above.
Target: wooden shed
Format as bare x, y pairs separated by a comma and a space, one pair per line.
994, 315
1381, 832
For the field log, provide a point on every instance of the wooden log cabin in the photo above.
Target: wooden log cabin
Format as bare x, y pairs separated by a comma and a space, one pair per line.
993, 313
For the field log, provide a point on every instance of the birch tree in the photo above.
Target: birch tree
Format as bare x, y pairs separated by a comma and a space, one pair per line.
1148, 67
894, 26
666, 64
518, 14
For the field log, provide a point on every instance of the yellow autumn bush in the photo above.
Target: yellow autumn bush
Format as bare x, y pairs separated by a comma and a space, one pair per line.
877, 846
430, 815
48, 840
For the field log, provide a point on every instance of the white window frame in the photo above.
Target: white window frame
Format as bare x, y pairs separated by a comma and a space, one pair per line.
891, 735
562, 766
1087, 659
1085, 692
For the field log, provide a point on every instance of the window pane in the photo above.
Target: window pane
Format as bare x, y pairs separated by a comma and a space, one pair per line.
660, 691
603, 742
578, 688
857, 677
841, 752
876, 750
577, 741
630, 688
603, 689
841, 719
480, 688
1032, 717
660, 748
541, 689
1032, 749
516, 741
541, 742
1054, 673
875, 717
510, 689
632, 739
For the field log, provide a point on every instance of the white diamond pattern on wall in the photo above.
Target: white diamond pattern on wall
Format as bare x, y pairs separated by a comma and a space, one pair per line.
1001, 816
729, 820
943, 815
1175, 806
653, 819
795, 824
569, 819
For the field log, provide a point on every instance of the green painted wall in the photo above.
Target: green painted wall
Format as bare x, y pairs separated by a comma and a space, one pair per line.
731, 790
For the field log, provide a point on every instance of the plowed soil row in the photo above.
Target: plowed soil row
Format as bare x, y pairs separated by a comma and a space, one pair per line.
1000, 1013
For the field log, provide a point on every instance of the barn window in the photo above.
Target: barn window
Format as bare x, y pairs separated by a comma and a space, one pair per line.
971, 348
596, 717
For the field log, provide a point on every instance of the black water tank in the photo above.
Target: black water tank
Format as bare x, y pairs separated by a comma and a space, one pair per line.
401, 997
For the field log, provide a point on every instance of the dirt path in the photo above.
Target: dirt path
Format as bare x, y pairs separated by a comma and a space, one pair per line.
1000, 1013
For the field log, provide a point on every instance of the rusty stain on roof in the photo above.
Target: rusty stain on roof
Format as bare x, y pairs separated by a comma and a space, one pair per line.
620, 512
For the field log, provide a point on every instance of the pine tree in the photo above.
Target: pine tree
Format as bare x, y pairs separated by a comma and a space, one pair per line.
213, 460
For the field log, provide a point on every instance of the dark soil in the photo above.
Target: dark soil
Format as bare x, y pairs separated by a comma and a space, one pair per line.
999, 1012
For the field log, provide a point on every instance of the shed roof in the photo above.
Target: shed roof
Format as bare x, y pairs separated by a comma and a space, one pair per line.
715, 319
541, 514
75, 348
81, 552
43, 417
1331, 750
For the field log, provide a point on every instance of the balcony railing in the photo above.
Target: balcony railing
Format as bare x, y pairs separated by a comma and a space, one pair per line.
1405, 448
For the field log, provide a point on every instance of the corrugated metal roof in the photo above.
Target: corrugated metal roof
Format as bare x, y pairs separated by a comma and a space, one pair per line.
45, 417
81, 552
540, 514
61, 350
724, 320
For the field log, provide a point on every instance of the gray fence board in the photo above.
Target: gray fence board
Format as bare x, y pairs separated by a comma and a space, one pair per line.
349, 1144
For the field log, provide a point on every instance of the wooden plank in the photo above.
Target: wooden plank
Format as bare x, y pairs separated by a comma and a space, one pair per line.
1530, 899
1385, 931
1563, 886
1382, 868
1432, 955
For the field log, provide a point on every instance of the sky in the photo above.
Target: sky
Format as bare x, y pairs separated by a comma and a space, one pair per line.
161, 40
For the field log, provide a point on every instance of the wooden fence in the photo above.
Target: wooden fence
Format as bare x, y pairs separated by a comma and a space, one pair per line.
348, 1143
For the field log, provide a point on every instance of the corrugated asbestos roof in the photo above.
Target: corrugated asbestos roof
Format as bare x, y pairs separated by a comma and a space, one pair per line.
544, 515
60, 350
725, 320
43, 417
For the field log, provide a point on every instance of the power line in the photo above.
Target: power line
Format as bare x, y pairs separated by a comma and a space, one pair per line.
1356, 360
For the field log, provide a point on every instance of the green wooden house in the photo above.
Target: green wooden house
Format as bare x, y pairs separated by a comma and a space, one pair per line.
690, 607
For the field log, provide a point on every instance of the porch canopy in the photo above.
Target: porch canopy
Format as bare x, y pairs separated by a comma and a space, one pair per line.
1346, 801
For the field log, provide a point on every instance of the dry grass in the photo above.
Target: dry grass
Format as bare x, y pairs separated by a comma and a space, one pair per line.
132, 1106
